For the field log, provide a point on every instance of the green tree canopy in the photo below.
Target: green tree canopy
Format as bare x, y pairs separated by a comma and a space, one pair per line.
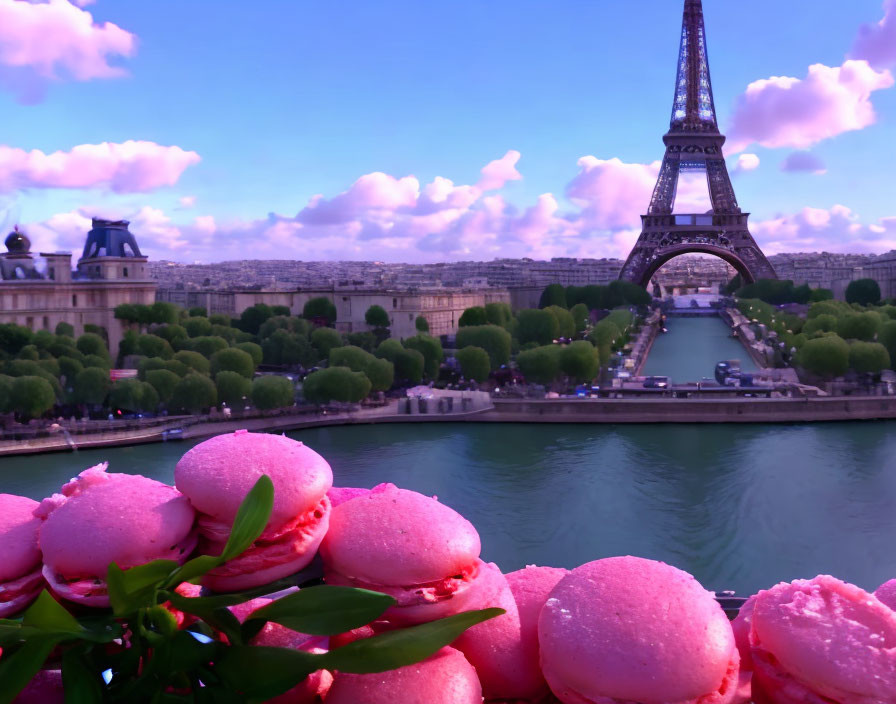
494, 340
164, 382
540, 365
31, 396
65, 330
6, 393
154, 346
858, 326
197, 312
409, 366
193, 360
13, 338
377, 317
254, 317
69, 368
233, 360
350, 356
580, 316
421, 324
128, 313
335, 384
232, 388
91, 343
626, 293
325, 339
283, 348
473, 316
164, 313
177, 367
835, 308
498, 314
580, 361
207, 345
539, 326
197, 327
887, 337
553, 295
868, 357
365, 339
133, 395
253, 350
566, 325
474, 363
148, 364
228, 333
91, 386
320, 311
389, 349
432, 352
863, 291
272, 391
820, 323
281, 310
194, 394
95, 360
29, 352
381, 373
299, 326
827, 357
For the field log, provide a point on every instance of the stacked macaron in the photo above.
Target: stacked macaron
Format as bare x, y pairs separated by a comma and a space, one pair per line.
217, 474
101, 518
820, 640
20, 575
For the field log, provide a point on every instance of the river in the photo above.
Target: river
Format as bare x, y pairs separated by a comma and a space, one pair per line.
739, 506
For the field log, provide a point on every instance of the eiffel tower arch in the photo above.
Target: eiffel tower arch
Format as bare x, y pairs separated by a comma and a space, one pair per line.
694, 144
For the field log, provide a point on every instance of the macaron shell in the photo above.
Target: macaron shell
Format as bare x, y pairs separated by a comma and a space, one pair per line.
19, 553
398, 537
833, 637
217, 474
635, 629
128, 521
444, 678
886, 593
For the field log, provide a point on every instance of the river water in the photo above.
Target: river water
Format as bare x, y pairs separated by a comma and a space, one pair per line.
739, 506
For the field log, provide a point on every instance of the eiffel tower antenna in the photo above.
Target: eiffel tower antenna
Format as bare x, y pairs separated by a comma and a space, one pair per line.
694, 143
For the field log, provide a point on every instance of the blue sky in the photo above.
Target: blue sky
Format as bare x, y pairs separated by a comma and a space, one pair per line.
284, 101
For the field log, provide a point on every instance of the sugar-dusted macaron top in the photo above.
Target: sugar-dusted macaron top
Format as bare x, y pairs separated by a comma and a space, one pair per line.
634, 629
835, 637
128, 519
394, 536
886, 593
19, 553
217, 474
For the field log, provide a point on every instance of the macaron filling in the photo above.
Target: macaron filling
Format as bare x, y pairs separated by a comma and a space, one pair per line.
17, 593
93, 590
275, 546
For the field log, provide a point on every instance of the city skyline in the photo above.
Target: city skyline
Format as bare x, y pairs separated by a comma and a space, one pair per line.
414, 134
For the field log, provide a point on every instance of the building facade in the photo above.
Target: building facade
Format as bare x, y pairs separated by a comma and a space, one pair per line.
41, 292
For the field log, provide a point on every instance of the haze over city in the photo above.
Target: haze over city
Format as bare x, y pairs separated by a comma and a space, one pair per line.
424, 132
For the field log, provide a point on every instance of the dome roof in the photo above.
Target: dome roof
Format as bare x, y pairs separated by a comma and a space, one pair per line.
17, 242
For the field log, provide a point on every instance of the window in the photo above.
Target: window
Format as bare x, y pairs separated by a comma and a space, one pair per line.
74, 300
52, 273
395, 303
125, 271
46, 322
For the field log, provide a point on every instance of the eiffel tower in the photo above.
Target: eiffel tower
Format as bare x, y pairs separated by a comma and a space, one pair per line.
694, 143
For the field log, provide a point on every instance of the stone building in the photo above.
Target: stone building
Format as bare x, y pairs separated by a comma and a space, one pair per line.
41, 292
442, 307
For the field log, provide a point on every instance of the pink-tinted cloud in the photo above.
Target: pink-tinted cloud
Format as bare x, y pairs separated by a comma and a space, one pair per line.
132, 166
805, 162
612, 193
497, 173
746, 162
792, 112
876, 43
57, 39
837, 229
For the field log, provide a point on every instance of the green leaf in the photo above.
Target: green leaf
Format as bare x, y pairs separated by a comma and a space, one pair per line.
47, 614
81, 684
394, 649
187, 604
192, 569
251, 518
136, 587
18, 668
325, 610
260, 672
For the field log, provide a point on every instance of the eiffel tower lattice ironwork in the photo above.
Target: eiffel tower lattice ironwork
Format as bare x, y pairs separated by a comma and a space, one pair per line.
694, 143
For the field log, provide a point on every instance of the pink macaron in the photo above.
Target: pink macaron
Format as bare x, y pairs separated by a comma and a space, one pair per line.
444, 678
103, 518
504, 650
217, 474
407, 545
20, 575
822, 640
886, 593
626, 629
